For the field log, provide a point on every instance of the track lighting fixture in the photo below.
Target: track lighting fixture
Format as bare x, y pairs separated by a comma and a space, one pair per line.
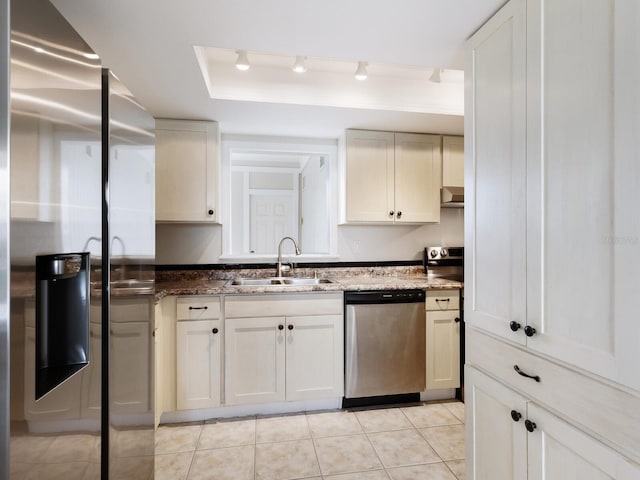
361, 71
242, 63
435, 76
298, 65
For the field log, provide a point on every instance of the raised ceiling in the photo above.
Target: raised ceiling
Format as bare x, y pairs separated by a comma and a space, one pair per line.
150, 46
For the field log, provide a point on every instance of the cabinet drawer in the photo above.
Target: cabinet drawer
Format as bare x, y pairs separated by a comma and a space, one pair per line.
604, 410
443, 300
198, 308
287, 304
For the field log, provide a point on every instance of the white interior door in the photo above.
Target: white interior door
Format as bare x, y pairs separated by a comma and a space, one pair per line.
271, 218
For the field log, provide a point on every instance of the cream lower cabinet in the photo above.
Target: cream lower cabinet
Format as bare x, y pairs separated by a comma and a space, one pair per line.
198, 351
510, 437
293, 351
443, 339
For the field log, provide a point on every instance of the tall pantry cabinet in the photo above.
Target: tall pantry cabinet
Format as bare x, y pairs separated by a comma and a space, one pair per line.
553, 241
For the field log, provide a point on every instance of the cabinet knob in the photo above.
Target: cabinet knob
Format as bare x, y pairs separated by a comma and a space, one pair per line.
529, 425
529, 331
215, 330
399, 214
280, 327
457, 319
514, 326
290, 327
211, 211
391, 213
516, 416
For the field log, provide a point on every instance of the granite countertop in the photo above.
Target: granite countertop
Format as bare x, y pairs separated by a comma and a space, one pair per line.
347, 283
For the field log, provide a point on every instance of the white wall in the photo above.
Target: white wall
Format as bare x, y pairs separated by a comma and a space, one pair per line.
201, 244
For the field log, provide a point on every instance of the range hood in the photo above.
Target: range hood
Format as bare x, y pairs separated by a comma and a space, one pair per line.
452, 197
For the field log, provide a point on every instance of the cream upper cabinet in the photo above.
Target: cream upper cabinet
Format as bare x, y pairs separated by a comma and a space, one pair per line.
495, 210
583, 178
187, 160
443, 339
392, 177
452, 168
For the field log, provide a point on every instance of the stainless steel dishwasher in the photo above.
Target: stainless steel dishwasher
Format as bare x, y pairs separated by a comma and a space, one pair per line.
384, 343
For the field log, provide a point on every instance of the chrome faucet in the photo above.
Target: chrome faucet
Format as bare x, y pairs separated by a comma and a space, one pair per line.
279, 264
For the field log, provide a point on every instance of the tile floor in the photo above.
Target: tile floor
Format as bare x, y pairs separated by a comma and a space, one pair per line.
425, 441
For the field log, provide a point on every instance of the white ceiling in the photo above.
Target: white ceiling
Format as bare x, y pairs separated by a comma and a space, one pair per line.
150, 46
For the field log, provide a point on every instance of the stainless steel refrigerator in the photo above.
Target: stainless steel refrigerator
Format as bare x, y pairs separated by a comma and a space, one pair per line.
81, 234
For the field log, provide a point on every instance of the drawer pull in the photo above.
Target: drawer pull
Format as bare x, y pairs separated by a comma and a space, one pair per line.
443, 300
523, 374
516, 416
198, 308
514, 326
529, 331
529, 425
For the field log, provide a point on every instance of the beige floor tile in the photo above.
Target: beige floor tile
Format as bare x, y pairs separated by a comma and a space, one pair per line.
177, 439
448, 441
69, 448
457, 408
349, 453
402, 447
29, 449
234, 463
433, 415
228, 434
457, 467
434, 471
383, 420
370, 475
286, 460
92, 472
133, 443
282, 429
57, 471
333, 424
18, 471
172, 466
132, 468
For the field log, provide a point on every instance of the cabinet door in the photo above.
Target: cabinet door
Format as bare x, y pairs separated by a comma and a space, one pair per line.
558, 450
254, 360
186, 171
495, 215
130, 367
418, 178
314, 362
158, 365
443, 349
496, 444
583, 174
370, 176
452, 161
198, 369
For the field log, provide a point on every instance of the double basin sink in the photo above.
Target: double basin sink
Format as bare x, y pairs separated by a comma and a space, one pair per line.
277, 281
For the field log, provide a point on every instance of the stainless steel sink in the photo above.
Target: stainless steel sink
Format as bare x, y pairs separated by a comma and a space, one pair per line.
279, 281
127, 287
